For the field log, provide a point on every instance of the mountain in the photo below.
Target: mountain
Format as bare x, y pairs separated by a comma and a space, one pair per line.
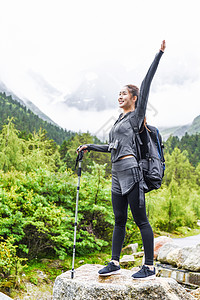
27, 103
195, 126
98, 88
26, 121
180, 131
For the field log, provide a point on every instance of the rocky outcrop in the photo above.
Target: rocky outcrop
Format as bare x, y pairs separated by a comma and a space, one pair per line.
187, 258
87, 285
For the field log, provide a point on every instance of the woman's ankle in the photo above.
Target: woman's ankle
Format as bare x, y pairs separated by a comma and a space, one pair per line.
115, 262
151, 267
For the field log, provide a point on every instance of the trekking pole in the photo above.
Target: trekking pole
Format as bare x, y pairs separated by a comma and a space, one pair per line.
78, 161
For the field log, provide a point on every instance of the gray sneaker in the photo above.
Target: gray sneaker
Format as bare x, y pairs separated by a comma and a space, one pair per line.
144, 274
110, 269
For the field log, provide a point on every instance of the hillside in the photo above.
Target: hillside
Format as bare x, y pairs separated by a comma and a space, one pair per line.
26, 121
28, 104
180, 131
195, 126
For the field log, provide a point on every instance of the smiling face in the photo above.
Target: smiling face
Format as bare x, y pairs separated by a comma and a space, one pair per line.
126, 100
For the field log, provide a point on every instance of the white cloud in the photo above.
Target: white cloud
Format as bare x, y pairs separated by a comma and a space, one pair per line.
60, 39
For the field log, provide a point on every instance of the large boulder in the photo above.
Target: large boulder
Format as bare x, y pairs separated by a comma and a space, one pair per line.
186, 257
159, 242
192, 261
177, 256
87, 285
165, 250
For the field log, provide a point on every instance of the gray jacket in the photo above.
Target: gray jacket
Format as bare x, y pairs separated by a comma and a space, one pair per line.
122, 136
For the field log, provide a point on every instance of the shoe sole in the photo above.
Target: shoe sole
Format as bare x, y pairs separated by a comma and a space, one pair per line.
111, 273
145, 278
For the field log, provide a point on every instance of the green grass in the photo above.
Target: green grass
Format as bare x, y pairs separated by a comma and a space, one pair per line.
181, 232
42, 272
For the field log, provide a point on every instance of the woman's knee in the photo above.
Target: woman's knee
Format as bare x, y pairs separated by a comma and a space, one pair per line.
142, 222
120, 219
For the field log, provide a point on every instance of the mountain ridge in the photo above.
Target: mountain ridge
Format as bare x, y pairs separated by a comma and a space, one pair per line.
180, 131
88, 97
27, 122
28, 103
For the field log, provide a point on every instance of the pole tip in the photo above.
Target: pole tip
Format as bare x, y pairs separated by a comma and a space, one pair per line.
72, 274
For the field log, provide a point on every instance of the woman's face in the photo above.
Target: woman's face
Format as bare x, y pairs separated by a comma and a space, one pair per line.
125, 99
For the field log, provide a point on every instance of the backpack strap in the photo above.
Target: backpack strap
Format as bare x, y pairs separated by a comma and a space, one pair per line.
138, 143
159, 147
138, 140
134, 124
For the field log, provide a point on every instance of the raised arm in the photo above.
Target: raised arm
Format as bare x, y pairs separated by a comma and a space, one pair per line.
145, 86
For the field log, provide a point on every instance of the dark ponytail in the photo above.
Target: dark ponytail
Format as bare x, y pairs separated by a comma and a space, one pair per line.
134, 90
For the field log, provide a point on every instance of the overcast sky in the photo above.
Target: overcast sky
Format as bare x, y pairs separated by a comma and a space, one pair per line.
59, 39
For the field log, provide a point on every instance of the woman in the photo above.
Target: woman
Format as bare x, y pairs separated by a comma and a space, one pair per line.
126, 176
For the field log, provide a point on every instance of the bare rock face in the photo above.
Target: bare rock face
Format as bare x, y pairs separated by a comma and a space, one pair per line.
87, 285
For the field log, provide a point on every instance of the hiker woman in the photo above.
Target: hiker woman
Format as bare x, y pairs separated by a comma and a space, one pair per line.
126, 175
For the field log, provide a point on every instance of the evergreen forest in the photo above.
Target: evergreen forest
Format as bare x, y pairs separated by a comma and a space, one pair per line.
38, 184
28, 122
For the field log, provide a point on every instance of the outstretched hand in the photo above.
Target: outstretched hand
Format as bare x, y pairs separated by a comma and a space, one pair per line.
163, 46
80, 148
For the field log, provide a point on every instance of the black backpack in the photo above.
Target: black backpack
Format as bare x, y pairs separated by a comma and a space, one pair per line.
151, 156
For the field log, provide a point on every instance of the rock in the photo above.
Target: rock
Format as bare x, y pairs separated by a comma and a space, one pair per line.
127, 260
130, 249
190, 279
196, 293
138, 254
4, 297
87, 285
159, 242
41, 275
172, 257
45, 260
165, 250
81, 261
187, 257
192, 262
178, 256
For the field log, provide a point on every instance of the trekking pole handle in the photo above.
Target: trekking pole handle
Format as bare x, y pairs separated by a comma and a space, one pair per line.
79, 157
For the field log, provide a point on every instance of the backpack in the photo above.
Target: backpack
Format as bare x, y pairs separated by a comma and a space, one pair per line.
151, 156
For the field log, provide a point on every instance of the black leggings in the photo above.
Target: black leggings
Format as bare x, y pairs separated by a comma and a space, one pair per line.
120, 208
